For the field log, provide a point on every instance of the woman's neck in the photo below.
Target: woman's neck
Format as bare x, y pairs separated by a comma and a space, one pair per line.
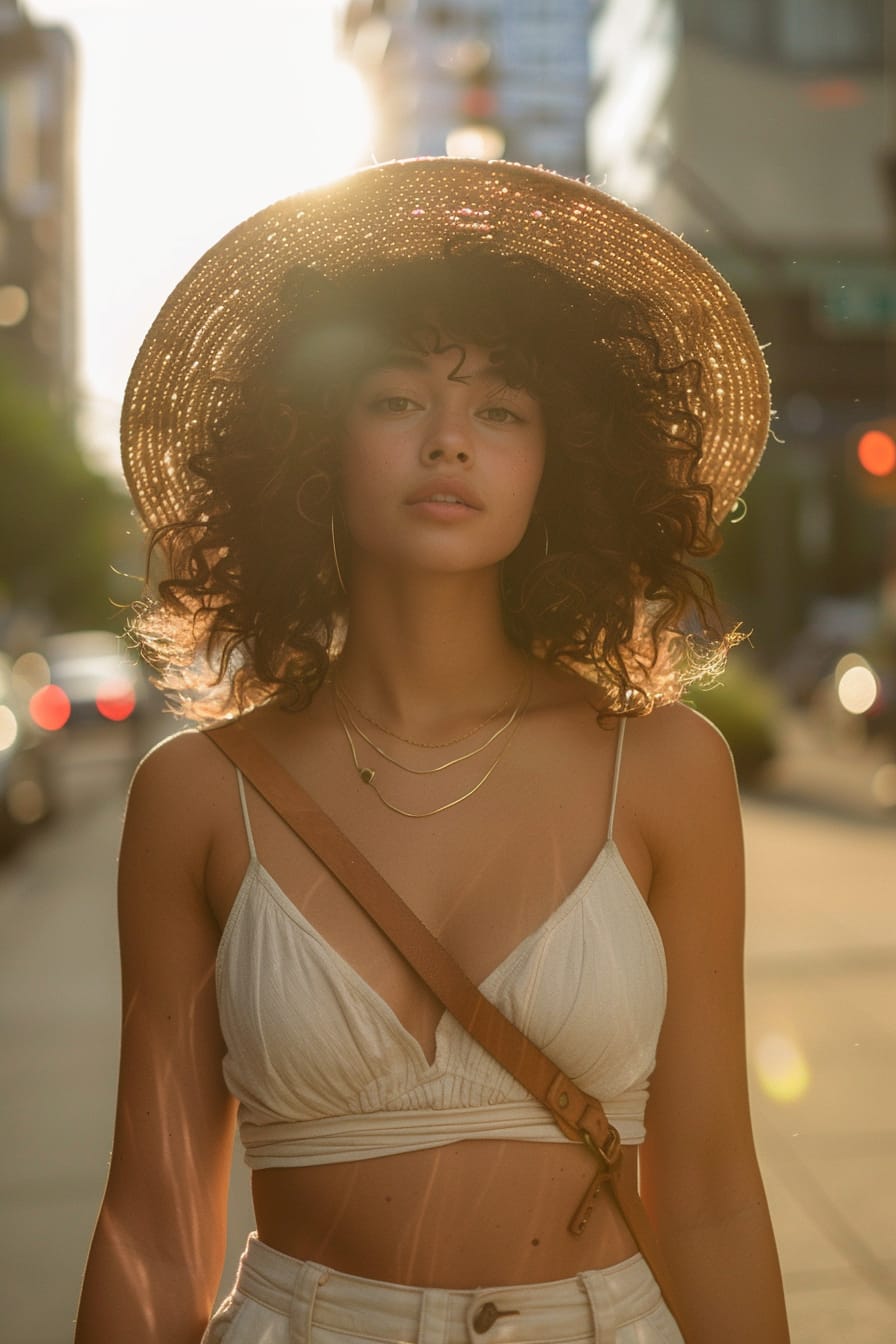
429, 655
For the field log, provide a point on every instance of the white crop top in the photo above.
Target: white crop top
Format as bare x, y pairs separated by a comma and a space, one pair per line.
324, 1071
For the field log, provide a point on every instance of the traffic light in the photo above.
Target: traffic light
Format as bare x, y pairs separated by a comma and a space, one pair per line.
872, 449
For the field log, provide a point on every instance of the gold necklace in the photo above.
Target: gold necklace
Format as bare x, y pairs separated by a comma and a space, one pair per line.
368, 776
409, 741
427, 770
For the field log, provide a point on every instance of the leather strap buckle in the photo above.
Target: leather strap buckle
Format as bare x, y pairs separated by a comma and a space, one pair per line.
609, 1153
607, 1157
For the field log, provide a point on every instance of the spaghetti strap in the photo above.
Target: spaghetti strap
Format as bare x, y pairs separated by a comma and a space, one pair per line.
248, 825
620, 734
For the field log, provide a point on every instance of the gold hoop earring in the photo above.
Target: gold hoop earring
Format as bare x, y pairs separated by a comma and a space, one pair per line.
336, 553
320, 485
547, 548
547, 535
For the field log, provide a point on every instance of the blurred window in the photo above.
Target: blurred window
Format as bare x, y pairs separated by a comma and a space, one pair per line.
830, 33
736, 25
807, 34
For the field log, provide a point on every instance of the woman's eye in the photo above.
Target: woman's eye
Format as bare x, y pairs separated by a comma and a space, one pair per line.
501, 415
396, 404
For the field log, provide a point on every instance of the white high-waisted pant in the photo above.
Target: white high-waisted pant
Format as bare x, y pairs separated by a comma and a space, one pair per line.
279, 1300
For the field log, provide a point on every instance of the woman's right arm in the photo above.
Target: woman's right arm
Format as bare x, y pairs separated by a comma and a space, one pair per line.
159, 1243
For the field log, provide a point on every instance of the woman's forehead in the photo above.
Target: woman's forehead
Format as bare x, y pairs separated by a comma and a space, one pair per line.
471, 363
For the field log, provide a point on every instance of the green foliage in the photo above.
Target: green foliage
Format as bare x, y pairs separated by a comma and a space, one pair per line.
61, 523
745, 708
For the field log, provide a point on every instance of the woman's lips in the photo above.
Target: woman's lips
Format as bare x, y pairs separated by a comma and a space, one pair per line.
449, 494
441, 506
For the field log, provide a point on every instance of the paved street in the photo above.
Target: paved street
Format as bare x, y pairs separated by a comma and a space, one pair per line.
820, 964
821, 957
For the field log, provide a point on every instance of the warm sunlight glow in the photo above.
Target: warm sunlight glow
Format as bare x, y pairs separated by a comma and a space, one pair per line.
475, 142
193, 116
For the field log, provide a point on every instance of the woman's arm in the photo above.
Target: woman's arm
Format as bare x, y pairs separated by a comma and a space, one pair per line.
699, 1176
159, 1242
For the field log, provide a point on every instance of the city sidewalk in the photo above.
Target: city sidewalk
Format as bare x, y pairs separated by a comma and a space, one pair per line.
821, 1008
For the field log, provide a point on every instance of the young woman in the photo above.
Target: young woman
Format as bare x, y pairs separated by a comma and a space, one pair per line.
426, 454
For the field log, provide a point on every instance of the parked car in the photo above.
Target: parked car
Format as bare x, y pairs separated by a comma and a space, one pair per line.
26, 768
89, 680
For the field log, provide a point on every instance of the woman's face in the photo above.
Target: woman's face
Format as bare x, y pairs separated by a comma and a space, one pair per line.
441, 462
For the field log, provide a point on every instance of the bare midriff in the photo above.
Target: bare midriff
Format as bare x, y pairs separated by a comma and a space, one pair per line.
472, 1214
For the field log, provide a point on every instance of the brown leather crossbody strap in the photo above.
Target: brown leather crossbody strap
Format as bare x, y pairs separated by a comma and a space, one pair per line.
580, 1116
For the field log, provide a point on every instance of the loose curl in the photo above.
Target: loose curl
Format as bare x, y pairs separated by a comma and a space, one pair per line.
250, 608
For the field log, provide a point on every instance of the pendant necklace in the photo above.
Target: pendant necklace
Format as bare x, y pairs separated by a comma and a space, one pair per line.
409, 741
368, 776
426, 770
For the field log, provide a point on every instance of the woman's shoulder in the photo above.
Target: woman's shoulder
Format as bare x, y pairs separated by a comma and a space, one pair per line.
175, 764
183, 782
673, 735
679, 737
683, 775
183, 805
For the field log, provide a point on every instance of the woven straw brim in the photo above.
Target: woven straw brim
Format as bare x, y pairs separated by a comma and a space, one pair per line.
222, 320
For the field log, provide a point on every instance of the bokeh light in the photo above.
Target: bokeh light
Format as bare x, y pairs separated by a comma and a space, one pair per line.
857, 684
50, 708
32, 669
781, 1067
883, 785
475, 142
14, 305
116, 699
9, 728
877, 452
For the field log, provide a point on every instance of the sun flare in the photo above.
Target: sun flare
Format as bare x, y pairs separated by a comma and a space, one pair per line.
192, 116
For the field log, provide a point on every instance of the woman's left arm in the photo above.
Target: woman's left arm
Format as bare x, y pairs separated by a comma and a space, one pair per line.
700, 1178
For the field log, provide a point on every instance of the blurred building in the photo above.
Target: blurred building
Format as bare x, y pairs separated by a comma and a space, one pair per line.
38, 295
764, 131
478, 78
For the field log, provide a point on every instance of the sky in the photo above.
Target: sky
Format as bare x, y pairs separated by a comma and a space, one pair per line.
193, 114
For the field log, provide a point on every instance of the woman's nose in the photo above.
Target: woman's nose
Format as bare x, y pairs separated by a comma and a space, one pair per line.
448, 438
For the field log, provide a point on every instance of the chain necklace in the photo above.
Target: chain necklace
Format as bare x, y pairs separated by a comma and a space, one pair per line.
409, 741
368, 776
427, 770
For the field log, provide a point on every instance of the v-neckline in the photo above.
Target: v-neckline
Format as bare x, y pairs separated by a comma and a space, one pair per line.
349, 972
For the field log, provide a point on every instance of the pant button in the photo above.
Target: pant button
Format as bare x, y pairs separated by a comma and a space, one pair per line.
486, 1316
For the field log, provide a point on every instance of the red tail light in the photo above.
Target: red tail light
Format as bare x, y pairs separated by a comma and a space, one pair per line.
116, 700
50, 708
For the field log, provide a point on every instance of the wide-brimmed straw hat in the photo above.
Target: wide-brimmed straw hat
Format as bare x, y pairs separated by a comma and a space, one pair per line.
222, 320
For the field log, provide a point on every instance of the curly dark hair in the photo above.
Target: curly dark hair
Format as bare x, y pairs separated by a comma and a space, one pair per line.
250, 607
